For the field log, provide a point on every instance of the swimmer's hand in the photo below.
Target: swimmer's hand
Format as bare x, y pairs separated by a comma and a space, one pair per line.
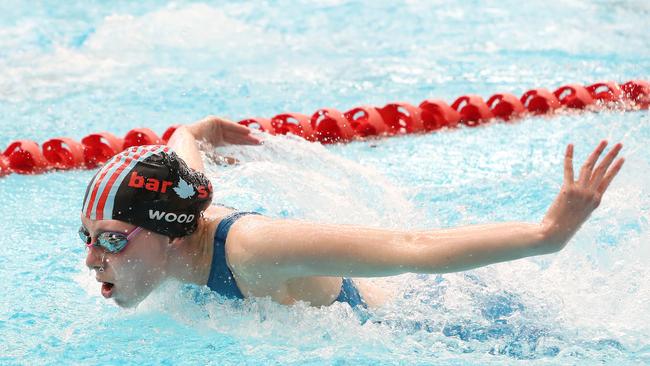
578, 199
219, 132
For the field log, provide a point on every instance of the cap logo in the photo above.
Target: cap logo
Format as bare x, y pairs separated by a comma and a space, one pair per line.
184, 190
170, 216
150, 184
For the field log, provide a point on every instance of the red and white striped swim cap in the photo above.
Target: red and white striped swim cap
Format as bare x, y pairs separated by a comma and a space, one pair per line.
149, 186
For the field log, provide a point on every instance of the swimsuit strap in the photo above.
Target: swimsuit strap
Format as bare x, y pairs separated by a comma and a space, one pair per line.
350, 294
221, 279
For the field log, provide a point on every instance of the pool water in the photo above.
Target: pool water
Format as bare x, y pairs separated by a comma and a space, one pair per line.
80, 67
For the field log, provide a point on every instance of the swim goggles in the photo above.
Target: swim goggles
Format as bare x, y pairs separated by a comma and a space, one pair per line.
111, 241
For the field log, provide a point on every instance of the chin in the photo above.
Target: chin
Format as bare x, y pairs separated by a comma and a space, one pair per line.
131, 297
127, 303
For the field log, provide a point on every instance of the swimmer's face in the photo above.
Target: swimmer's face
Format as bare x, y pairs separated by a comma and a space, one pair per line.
130, 275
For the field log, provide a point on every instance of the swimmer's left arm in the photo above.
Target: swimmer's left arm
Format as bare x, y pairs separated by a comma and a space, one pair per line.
289, 248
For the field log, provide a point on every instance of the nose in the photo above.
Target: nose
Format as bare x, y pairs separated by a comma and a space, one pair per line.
94, 257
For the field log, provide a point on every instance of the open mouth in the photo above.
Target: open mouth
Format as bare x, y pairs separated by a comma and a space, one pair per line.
107, 289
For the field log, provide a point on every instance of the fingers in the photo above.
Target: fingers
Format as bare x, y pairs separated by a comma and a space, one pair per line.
609, 176
235, 128
234, 133
213, 119
586, 170
249, 140
238, 138
227, 125
601, 169
568, 165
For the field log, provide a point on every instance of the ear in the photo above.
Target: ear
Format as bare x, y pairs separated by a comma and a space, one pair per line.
175, 243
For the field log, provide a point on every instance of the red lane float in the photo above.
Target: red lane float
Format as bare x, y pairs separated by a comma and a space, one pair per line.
401, 117
606, 92
573, 96
540, 101
637, 92
366, 121
261, 124
330, 125
139, 137
437, 114
25, 157
63, 153
505, 106
472, 109
295, 123
99, 147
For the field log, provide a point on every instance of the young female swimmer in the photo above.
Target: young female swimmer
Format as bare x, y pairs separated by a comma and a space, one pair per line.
147, 217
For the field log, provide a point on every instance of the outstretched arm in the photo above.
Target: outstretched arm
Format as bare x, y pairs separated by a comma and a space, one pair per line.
214, 130
295, 249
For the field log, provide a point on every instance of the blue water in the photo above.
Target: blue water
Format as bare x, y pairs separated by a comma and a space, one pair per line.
76, 68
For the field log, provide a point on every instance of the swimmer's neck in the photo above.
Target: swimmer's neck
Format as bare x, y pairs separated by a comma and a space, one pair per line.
190, 257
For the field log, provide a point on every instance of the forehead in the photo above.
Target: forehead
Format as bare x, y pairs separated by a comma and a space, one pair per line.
105, 225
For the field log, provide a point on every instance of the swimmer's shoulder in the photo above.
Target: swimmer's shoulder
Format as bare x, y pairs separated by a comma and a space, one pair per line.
240, 231
216, 212
241, 255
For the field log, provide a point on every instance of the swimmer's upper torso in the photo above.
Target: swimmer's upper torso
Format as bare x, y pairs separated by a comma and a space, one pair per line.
317, 290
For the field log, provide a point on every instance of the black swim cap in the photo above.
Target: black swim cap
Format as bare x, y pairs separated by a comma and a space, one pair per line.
149, 186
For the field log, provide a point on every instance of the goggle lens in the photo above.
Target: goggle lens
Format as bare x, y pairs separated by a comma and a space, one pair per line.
110, 241
84, 235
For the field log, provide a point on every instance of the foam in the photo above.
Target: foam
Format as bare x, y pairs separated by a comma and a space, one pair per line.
126, 44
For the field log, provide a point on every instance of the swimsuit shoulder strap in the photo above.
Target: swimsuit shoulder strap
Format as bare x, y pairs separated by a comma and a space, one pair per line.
221, 279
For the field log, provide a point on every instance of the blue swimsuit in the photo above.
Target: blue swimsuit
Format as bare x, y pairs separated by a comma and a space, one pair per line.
221, 279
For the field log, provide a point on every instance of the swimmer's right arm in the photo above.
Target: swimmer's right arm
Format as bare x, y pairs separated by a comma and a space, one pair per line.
290, 249
184, 143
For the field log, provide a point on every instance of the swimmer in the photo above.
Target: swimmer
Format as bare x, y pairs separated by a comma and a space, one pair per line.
147, 217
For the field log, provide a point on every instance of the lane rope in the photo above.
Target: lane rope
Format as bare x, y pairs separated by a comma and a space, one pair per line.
328, 125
